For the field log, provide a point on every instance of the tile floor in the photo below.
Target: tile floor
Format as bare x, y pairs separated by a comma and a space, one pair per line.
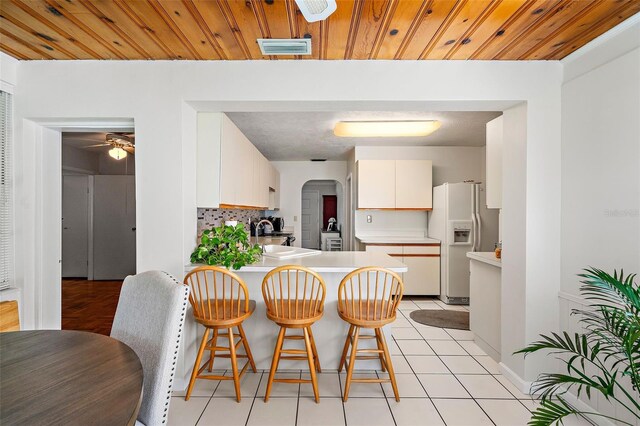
443, 377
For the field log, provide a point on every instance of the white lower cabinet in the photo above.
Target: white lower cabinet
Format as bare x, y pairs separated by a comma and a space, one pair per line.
423, 263
423, 276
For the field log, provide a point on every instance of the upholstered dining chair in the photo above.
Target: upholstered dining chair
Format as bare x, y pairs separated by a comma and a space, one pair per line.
150, 319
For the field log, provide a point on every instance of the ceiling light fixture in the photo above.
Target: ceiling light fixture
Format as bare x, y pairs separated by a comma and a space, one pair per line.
117, 153
385, 129
316, 10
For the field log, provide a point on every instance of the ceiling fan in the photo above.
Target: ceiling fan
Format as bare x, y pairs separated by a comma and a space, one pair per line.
122, 144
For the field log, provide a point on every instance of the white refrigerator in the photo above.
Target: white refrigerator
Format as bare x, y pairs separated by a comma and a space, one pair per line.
462, 223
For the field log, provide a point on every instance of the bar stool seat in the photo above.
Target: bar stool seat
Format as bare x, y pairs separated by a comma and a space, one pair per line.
220, 302
294, 298
229, 314
368, 298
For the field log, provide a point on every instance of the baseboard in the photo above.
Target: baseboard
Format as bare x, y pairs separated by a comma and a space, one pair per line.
525, 387
580, 405
522, 385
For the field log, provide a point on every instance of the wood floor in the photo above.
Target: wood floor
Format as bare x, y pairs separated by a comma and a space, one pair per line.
89, 305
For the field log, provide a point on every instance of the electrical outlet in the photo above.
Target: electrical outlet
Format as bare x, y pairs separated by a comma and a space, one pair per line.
369, 219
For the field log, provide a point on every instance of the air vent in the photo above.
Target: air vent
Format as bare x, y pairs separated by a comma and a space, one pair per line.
285, 46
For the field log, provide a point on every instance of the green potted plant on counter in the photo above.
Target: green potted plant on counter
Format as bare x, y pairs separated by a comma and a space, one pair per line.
604, 359
226, 246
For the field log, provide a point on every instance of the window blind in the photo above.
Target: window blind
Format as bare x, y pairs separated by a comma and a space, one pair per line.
6, 191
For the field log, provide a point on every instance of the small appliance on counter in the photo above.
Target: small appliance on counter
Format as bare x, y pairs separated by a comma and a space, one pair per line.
278, 223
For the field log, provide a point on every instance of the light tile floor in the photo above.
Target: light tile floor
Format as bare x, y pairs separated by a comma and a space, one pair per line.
443, 377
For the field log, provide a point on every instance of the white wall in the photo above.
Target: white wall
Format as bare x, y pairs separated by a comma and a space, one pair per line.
600, 169
76, 160
8, 72
162, 97
293, 176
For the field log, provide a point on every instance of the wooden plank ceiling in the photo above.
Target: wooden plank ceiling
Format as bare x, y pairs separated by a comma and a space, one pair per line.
359, 29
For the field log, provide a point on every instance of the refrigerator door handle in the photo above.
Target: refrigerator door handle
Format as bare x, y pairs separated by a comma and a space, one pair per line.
478, 232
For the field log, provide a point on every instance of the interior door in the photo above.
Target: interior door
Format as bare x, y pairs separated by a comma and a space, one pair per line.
310, 219
75, 226
114, 226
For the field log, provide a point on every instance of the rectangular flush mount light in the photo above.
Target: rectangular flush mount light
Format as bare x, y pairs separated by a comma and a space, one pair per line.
285, 46
385, 129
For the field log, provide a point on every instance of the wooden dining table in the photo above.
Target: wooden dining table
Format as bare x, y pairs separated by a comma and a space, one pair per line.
64, 377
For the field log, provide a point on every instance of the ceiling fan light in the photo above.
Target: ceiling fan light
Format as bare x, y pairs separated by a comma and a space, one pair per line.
385, 129
117, 153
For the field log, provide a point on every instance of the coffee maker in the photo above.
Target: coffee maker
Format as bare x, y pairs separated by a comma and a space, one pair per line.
278, 223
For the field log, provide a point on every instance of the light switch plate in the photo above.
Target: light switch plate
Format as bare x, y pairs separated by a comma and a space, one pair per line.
295, 218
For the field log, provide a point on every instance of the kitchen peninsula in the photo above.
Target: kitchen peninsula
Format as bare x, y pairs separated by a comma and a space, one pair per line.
329, 332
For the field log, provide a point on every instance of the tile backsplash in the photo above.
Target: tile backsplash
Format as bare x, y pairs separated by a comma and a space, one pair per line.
208, 218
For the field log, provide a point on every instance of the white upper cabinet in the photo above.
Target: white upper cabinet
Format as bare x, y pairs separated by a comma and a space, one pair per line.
231, 172
376, 184
414, 186
395, 184
494, 163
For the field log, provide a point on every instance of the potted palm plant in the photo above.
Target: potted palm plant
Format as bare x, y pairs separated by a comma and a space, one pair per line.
599, 360
226, 246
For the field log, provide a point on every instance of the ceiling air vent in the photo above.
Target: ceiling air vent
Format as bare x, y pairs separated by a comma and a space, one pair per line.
285, 46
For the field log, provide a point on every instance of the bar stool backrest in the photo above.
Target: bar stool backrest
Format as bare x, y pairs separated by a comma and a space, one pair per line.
370, 294
293, 292
216, 293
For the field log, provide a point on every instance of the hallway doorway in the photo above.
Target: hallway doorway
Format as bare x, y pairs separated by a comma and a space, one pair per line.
321, 213
98, 226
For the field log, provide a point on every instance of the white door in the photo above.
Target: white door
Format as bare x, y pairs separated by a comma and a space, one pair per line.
75, 226
311, 219
114, 225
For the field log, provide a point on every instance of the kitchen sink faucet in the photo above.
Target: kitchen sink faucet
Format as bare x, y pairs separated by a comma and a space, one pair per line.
262, 222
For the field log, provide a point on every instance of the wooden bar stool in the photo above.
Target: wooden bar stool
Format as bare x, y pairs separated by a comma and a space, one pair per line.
294, 297
368, 298
220, 301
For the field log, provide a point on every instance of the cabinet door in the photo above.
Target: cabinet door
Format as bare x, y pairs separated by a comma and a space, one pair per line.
494, 163
414, 185
244, 173
423, 275
230, 152
390, 250
265, 177
376, 184
208, 161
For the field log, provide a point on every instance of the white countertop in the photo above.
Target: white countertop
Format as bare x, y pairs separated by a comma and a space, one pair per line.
268, 239
487, 257
327, 261
390, 239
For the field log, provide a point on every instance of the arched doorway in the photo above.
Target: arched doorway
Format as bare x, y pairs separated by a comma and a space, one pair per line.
322, 212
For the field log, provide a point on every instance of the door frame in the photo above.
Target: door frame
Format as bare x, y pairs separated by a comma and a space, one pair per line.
41, 275
350, 213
